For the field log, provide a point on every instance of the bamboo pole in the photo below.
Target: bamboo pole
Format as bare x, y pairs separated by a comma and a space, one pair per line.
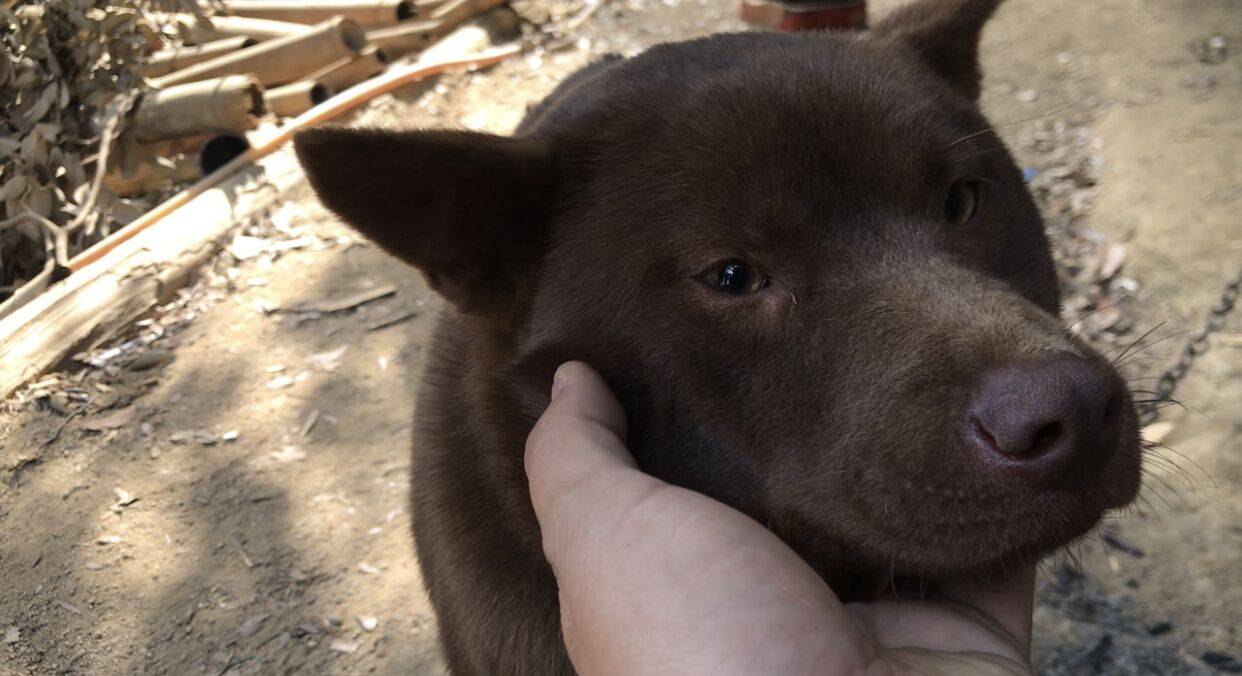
368, 13
263, 29
297, 98
348, 72
402, 39
230, 104
166, 61
281, 60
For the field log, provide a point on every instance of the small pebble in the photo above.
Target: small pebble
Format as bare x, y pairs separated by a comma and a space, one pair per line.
1160, 628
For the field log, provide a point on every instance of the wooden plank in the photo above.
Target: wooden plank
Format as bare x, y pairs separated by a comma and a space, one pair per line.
94, 303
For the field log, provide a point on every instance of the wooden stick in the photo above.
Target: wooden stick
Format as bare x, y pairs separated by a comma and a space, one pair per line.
368, 13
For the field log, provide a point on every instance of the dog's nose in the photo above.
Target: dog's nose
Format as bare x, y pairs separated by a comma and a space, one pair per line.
1054, 421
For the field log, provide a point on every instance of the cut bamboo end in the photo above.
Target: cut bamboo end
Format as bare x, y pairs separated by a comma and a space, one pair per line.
348, 72
368, 13
297, 98
219, 151
263, 29
397, 41
162, 165
282, 60
169, 60
230, 104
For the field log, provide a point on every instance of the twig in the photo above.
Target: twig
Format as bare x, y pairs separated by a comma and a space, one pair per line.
87, 208
309, 424
56, 435
245, 559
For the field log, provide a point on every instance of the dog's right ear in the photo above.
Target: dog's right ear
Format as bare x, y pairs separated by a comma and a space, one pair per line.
468, 209
945, 34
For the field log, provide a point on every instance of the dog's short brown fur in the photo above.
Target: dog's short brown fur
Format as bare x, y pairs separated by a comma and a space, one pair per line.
829, 399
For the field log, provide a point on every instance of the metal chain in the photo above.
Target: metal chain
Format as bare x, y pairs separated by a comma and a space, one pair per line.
1195, 347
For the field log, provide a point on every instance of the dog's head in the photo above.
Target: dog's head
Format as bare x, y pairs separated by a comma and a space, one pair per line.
809, 268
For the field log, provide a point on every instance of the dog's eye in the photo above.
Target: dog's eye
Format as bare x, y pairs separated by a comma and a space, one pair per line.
736, 278
963, 202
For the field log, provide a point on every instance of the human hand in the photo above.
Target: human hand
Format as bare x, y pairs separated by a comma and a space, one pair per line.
656, 579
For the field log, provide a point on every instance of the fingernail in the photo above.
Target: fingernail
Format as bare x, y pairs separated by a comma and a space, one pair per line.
558, 383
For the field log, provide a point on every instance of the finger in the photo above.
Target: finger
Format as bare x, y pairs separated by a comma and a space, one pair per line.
1008, 601
592, 399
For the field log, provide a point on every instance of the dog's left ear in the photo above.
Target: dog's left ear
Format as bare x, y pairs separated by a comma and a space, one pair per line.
945, 33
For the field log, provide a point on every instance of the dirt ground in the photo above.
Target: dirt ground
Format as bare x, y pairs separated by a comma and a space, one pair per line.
226, 493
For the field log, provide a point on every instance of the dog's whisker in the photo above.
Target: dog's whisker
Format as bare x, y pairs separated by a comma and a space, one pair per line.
1137, 341
1024, 120
1150, 446
1171, 466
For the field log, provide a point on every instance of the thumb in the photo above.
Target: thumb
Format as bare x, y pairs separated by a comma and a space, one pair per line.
576, 457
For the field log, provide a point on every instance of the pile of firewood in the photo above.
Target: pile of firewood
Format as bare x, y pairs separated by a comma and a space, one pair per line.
256, 57
109, 106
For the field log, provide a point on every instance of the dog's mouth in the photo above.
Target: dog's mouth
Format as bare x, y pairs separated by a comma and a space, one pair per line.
996, 525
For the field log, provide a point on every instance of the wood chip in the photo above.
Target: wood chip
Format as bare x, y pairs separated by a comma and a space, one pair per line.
1156, 432
109, 421
69, 607
344, 302
309, 424
124, 498
251, 625
341, 645
150, 359
1111, 260
391, 320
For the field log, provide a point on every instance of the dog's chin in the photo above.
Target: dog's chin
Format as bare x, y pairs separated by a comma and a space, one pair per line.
978, 551
1020, 531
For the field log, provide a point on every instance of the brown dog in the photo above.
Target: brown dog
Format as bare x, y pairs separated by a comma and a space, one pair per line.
814, 278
